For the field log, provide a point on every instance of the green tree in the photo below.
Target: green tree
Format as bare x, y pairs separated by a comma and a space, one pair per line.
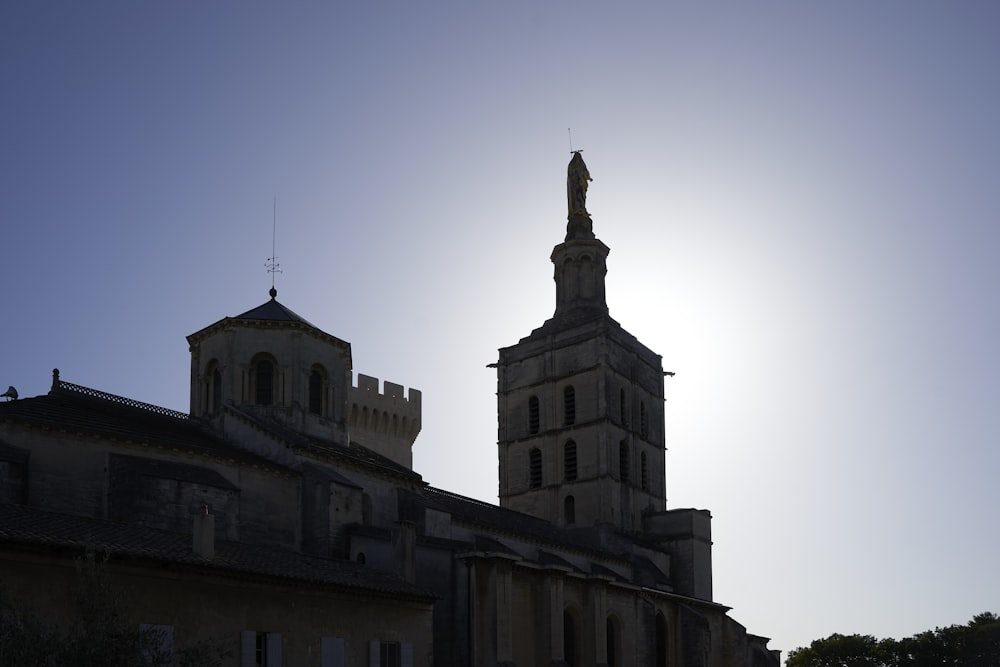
976, 644
839, 651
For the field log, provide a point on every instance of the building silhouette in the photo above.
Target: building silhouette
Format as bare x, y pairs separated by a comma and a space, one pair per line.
282, 516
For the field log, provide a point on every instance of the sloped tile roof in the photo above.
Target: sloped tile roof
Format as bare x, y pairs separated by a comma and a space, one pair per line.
29, 527
75, 412
272, 310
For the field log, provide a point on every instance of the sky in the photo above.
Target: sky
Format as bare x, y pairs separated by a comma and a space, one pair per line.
800, 199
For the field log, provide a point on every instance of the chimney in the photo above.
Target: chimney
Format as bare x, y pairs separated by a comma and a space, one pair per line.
203, 541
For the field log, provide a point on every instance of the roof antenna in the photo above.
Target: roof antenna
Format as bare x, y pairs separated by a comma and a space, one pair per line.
272, 261
569, 131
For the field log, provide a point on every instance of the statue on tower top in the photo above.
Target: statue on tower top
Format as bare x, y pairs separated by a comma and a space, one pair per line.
577, 180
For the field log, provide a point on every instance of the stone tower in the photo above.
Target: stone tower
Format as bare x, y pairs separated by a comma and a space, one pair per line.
580, 400
270, 363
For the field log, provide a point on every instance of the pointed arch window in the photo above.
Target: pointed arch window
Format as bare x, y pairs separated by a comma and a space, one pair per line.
622, 411
535, 468
623, 461
569, 405
569, 510
569, 461
661, 640
614, 642
569, 639
533, 415
643, 420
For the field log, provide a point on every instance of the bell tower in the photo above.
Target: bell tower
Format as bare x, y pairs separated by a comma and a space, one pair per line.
580, 400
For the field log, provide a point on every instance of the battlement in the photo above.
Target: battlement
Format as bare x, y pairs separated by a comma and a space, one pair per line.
386, 421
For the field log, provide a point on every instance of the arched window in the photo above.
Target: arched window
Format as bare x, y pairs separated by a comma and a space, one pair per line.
213, 386
216, 389
263, 381
569, 639
569, 510
535, 468
569, 461
661, 640
643, 421
317, 382
533, 421
643, 472
614, 642
569, 405
623, 461
622, 411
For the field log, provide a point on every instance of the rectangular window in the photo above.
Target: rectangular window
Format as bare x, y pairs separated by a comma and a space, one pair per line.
260, 649
332, 652
390, 654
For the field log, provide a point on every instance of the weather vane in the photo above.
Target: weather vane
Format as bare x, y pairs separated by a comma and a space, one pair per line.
272, 261
569, 131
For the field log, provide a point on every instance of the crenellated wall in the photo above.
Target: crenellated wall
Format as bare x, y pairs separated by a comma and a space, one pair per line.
386, 421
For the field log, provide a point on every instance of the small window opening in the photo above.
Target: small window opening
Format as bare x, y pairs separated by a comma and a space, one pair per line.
622, 412
643, 421
623, 462
533, 421
569, 510
643, 472
569, 406
569, 461
535, 468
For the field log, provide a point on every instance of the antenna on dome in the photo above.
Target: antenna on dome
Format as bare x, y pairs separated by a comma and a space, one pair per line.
569, 131
272, 261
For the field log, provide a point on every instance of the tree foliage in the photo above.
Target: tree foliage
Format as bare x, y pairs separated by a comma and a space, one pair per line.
101, 631
976, 644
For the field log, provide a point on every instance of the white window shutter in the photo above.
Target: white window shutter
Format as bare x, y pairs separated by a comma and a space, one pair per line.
274, 649
374, 653
406, 654
331, 651
248, 647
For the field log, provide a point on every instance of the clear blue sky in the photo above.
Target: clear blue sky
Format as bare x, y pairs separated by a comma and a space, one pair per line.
800, 198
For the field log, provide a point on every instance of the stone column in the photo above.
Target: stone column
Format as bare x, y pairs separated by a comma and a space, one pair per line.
554, 603
504, 586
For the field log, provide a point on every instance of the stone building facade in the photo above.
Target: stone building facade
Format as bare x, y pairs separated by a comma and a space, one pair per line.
281, 515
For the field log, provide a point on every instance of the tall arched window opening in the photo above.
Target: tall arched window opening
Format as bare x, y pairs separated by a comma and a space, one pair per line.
661, 640
643, 420
614, 642
533, 420
643, 472
623, 461
622, 411
316, 384
216, 401
569, 639
569, 406
569, 510
535, 468
263, 376
569, 461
